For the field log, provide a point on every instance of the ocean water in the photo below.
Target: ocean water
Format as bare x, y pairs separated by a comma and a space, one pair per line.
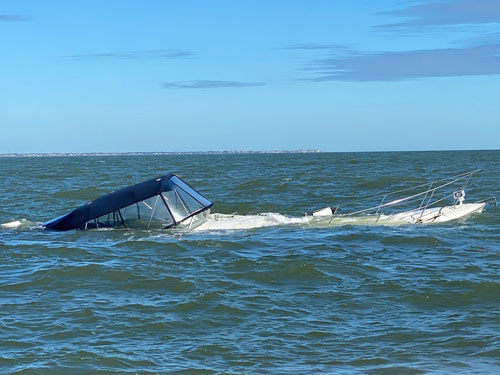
280, 297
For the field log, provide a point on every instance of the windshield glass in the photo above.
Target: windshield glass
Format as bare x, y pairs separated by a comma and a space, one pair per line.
189, 190
150, 213
176, 203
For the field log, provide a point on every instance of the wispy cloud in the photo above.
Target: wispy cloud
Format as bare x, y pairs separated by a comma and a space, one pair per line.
479, 55
487, 38
146, 54
445, 12
403, 65
12, 18
208, 84
312, 46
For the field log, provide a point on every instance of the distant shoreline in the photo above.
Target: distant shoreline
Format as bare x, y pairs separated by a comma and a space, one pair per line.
234, 152
61, 154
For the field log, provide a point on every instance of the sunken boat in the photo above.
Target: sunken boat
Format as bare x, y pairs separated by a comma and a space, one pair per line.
163, 202
425, 203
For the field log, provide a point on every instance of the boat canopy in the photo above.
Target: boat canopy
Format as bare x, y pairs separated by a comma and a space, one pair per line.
162, 202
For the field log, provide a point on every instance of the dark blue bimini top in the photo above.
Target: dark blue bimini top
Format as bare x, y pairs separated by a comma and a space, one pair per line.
158, 203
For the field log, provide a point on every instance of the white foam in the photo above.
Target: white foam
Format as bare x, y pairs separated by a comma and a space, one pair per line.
13, 224
22, 223
230, 222
241, 222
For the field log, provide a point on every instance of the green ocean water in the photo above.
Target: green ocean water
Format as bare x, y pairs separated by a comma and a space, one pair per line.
281, 299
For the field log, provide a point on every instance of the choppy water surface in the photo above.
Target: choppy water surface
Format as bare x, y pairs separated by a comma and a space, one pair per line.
285, 299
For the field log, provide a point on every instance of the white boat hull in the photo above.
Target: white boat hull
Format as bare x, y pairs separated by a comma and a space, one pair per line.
435, 214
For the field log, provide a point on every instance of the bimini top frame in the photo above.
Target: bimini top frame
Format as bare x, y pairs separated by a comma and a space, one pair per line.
162, 202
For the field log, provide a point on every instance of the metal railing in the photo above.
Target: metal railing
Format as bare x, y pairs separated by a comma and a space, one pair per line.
431, 188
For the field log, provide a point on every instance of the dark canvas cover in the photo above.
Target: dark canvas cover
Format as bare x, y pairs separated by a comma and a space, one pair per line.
109, 203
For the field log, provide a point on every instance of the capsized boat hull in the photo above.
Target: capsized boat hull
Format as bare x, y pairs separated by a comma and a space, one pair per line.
436, 214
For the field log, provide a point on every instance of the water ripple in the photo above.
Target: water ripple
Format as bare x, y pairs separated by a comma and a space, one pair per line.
284, 299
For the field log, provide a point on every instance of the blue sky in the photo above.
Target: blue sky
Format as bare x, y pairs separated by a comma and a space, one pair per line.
97, 76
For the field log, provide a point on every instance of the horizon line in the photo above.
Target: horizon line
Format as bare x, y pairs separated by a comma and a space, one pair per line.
215, 152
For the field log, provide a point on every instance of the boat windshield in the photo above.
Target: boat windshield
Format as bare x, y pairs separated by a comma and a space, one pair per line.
174, 204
